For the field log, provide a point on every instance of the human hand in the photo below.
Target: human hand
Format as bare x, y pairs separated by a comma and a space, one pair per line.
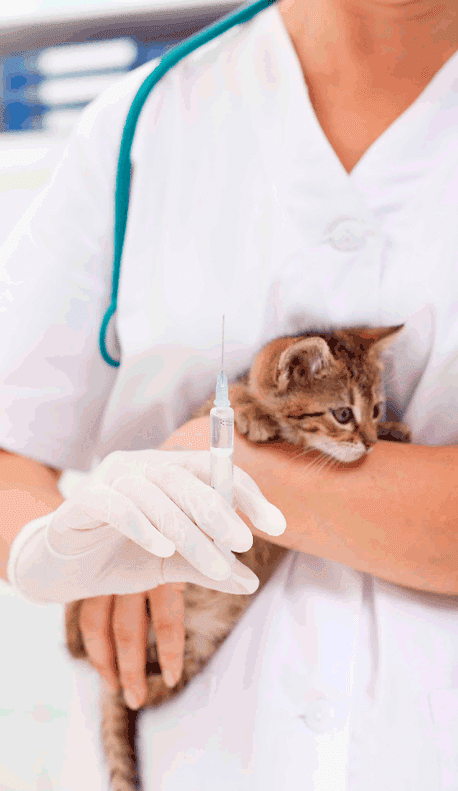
119, 534
128, 639
114, 630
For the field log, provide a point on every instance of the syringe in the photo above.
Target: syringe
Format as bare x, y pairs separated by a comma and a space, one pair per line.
222, 444
222, 436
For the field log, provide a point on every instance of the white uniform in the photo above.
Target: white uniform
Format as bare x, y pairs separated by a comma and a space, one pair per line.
334, 680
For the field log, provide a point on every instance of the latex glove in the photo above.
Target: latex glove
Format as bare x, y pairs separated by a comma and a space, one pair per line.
143, 519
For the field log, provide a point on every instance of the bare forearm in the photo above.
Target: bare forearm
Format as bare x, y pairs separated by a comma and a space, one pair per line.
393, 515
27, 490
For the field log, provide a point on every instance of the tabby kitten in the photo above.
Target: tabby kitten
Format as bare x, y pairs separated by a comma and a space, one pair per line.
318, 390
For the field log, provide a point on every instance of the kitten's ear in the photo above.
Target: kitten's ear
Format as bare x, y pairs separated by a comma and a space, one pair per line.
375, 338
302, 362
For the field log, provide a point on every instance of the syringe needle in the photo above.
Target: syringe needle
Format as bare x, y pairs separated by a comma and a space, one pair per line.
222, 348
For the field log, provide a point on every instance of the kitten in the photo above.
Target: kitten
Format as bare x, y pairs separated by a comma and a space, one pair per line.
318, 390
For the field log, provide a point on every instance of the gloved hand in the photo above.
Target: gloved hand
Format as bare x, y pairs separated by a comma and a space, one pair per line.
143, 519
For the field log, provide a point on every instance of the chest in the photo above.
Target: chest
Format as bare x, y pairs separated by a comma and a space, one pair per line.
351, 117
351, 128
355, 105
263, 243
278, 241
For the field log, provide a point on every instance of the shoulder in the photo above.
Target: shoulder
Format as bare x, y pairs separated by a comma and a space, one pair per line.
222, 55
107, 113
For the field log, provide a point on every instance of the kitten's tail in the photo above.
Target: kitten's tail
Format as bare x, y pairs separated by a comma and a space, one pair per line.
118, 739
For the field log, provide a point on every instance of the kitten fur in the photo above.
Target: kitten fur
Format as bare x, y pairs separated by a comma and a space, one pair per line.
300, 388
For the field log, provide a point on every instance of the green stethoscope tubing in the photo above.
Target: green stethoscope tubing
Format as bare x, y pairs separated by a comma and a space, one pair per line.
123, 174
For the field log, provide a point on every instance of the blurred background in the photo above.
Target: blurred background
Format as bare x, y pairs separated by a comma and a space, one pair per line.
56, 56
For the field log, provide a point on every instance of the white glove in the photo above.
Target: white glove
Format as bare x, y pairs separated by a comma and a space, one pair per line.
119, 534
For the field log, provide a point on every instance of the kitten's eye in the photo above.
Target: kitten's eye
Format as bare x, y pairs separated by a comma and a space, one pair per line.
305, 414
377, 410
343, 415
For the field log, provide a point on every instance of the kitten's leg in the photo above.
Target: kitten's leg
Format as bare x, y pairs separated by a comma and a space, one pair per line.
394, 432
118, 721
210, 616
118, 739
250, 418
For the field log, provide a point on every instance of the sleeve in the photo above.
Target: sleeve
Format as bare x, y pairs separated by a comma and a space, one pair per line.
55, 286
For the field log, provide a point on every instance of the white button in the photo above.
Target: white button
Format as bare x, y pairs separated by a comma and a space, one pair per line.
319, 715
347, 234
41, 713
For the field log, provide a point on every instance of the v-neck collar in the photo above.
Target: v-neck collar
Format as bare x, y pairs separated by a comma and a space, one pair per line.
307, 179
411, 146
440, 96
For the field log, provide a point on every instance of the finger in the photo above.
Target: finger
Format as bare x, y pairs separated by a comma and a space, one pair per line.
202, 504
95, 627
167, 615
159, 509
242, 579
248, 497
100, 505
118, 507
130, 628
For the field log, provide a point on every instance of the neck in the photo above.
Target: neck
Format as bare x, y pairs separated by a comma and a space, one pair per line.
372, 42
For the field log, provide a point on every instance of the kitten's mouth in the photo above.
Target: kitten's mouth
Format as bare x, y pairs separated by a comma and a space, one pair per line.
345, 453
342, 453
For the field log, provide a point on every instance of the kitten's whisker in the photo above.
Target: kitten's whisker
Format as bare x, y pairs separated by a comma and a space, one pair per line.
297, 455
328, 462
315, 465
302, 453
321, 463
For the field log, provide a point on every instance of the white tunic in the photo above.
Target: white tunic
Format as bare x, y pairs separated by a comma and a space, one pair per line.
333, 680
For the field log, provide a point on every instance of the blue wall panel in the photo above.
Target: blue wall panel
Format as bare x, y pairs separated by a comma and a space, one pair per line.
22, 110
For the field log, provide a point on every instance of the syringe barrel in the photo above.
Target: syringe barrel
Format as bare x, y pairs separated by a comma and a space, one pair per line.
221, 465
222, 427
222, 451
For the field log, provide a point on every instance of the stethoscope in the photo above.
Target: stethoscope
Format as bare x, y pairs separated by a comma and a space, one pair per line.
123, 174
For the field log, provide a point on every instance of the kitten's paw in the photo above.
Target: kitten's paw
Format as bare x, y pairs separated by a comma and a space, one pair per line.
393, 431
257, 426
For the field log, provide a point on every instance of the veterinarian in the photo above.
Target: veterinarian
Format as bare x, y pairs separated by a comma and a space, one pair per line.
301, 169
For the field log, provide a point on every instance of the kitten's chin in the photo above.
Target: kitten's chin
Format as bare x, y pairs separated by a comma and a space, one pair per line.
344, 453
